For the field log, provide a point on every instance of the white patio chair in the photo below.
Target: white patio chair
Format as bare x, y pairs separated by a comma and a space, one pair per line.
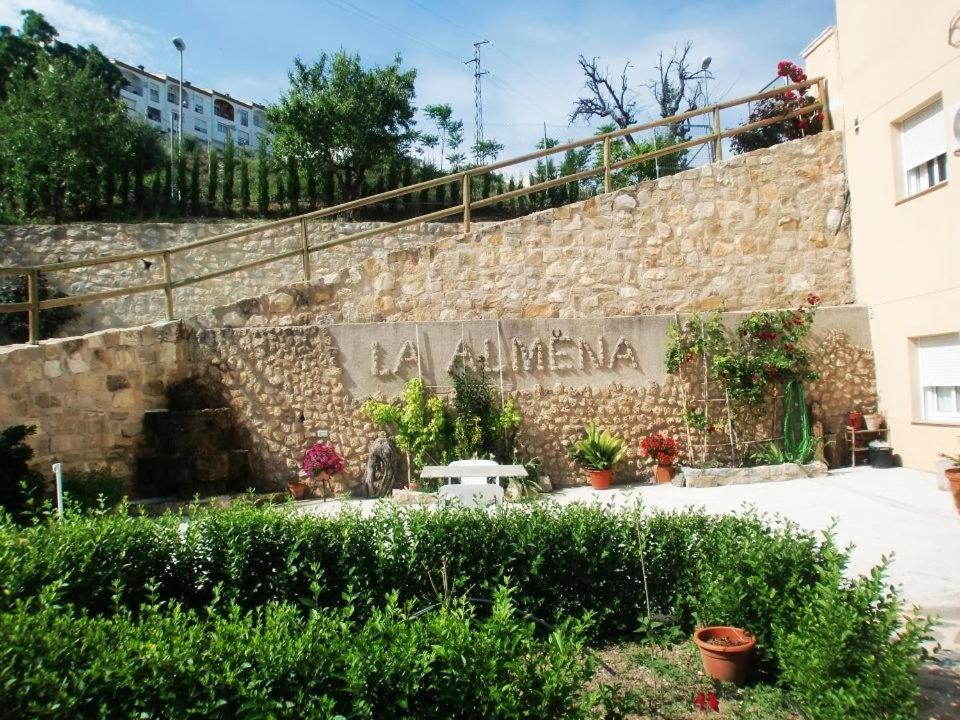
473, 463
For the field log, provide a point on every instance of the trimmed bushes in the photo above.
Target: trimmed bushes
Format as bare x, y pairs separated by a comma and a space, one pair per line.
277, 663
816, 631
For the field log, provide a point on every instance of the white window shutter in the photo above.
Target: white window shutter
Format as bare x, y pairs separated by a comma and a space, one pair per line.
939, 361
924, 136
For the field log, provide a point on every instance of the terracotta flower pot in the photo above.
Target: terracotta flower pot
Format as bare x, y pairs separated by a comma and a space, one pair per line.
953, 476
600, 479
663, 473
298, 489
855, 420
726, 652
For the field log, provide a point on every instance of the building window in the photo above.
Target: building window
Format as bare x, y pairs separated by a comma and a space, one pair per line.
221, 108
198, 103
223, 129
200, 125
923, 145
258, 120
244, 118
171, 96
133, 85
154, 93
153, 114
243, 137
131, 104
938, 363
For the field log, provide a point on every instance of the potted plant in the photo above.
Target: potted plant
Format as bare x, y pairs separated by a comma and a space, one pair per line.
597, 453
663, 451
953, 476
726, 652
320, 461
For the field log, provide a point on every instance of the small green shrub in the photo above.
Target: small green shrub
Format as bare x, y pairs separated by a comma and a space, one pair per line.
93, 489
20, 487
598, 449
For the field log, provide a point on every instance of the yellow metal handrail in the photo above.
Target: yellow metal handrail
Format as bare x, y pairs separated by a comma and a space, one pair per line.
34, 304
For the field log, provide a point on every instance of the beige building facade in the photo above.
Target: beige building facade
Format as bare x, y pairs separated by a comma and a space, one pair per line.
893, 74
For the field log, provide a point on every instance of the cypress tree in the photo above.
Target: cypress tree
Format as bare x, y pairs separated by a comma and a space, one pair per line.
454, 192
511, 208
381, 209
312, 190
212, 181
280, 192
263, 182
329, 187
392, 206
182, 189
244, 185
195, 182
440, 196
522, 201
229, 173
406, 180
124, 189
109, 188
167, 185
156, 195
139, 190
293, 184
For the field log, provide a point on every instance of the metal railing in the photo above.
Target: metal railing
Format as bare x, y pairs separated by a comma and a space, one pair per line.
34, 304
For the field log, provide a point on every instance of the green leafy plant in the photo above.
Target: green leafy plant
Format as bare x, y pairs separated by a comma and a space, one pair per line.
598, 450
417, 421
955, 459
14, 327
482, 426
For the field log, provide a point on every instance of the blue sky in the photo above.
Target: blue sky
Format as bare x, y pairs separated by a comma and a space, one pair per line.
245, 47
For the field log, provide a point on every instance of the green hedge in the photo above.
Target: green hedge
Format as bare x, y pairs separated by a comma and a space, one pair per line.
817, 632
277, 663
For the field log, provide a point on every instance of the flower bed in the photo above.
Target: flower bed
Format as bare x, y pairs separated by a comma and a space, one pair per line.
715, 477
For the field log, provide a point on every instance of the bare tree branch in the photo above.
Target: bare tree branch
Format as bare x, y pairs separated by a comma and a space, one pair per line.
678, 84
604, 100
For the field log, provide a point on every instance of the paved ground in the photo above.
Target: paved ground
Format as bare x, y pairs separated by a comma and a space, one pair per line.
896, 512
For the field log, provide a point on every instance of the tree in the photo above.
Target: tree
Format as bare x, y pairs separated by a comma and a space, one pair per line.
678, 88
263, 181
57, 131
229, 174
293, 184
182, 190
244, 185
454, 141
195, 182
605, 100
353, 118
312, 190
14, 327
486, 151
442, 115
212, 180
24, 55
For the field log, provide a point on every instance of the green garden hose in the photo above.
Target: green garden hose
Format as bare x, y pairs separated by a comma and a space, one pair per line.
797, 443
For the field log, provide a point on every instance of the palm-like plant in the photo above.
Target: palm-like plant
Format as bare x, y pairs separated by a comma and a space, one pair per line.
598, 450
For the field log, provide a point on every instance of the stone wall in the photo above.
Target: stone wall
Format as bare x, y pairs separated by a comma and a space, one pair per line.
87, 395
757, 231
284, 385
42, 244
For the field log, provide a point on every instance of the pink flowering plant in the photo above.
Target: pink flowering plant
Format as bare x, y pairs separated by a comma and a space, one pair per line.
322, 458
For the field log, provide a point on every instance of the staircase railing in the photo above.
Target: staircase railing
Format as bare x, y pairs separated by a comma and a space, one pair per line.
34, 304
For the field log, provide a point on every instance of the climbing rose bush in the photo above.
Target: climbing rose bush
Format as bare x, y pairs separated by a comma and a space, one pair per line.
322, 458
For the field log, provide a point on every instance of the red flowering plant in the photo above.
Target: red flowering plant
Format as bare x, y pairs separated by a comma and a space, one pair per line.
789, 101
660, 448
320, 459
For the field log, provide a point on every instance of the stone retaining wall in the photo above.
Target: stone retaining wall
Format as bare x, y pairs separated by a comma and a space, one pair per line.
42, 244
717, 477
284, 385
757, 231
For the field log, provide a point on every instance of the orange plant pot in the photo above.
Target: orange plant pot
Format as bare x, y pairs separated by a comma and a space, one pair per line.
600, 479
726, 652
953, 475
663, 473
298, 490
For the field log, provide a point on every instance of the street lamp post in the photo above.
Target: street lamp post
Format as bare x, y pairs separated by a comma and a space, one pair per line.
704, 67
180, 45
